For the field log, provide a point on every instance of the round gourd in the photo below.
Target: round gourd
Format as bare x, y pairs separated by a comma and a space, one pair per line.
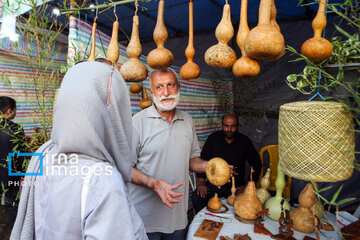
160, 57
244, 67
135, 88
214, 203
264, 42
190, 70
317, 49
218, 171
134, 70
221, 55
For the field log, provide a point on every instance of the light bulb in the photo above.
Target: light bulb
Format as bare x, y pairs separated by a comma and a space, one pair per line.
56, 12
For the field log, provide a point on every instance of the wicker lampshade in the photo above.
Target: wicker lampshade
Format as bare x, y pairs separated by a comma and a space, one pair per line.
316, 141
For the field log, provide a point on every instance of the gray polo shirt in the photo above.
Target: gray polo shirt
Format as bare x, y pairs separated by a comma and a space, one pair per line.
163, 151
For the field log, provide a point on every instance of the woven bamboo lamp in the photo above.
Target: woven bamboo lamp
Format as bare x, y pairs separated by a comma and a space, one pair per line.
316, 141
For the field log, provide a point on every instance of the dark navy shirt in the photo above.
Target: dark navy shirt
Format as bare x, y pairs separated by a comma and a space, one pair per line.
236, 153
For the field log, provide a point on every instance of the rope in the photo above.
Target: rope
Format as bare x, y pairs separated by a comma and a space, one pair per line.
318, 85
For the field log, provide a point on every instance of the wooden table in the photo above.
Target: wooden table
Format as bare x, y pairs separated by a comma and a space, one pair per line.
233, 226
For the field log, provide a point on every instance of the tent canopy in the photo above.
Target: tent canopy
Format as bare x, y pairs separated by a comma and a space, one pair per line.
207, 15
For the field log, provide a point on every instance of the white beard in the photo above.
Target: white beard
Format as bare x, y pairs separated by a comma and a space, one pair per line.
165, 107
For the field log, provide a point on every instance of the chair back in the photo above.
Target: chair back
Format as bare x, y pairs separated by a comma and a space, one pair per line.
273, 152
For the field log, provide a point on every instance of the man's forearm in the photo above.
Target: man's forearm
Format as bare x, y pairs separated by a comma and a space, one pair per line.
198, 165
139, 177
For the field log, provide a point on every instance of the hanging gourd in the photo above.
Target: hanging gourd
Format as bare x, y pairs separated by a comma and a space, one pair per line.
145, 102
190, 70
275, 24
221, 55
264, 42
262, 193
317, 49
274, 203
244, 67
302, 216
231, 198
93, 42
217, 171
247, 205
134, 70
160, 57
113, 49
135, 87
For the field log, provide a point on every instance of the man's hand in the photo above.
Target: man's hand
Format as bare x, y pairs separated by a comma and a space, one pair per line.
202, 190
164, 191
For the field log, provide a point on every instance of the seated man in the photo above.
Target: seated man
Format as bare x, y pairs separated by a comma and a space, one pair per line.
12, 138
236, 149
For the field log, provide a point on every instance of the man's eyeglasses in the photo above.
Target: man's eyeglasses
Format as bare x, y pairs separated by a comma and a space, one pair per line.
108, 62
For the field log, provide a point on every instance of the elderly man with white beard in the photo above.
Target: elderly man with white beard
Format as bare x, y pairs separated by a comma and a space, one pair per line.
165, 147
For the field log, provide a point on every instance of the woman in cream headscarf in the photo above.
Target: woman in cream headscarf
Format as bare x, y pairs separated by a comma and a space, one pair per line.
92, 127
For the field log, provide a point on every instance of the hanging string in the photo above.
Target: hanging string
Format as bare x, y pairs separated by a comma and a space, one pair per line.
226, 1
136, 7
318, 84
115, 13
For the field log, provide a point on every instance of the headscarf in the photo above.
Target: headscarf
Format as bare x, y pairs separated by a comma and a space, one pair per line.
84, 124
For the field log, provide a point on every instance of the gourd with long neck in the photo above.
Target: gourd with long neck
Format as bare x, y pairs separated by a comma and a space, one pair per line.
302, 216
221, 55
247, 205
145, 102
317, 49
134, 70
274, 203
190, 70
262, 192
275, 24
113, 49
244, 67
135, 87
93, 34
160, 57
231, 198
264, 42
214, 203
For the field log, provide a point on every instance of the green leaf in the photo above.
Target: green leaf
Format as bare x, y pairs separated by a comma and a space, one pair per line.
336, 195
346, 200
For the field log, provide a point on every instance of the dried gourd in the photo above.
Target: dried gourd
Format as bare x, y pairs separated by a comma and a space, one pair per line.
214, 203
190, 70
217, 171
317, 49
275, 24
244, 67
160, 57
134, 70
247, 205
264, 42
262, 193
93, 42
145, 102
302, 216
231, 198
221, 55
135, 88
113, 49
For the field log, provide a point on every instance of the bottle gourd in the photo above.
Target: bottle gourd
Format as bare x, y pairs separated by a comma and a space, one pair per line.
244, 67
134, 70
113, 49
217, 171
247, 205
302, 216
231, 198
264, 42
317, 49
262, 192
214, 203
221, 55
190, 70
160, 57
93, 36
145, 102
